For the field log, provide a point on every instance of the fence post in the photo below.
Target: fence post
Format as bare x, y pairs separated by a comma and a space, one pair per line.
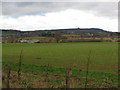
20, 63
8, 76
87, 69
68, 70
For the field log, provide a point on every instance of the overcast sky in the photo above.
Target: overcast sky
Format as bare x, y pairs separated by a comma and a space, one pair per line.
56, 15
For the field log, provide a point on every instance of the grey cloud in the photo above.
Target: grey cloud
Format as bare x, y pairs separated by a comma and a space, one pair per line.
107, 9
0, 8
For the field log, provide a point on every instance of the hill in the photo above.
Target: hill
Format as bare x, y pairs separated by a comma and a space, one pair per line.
71, 31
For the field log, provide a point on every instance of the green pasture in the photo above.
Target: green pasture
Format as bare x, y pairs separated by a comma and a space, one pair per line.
33, 37
103, 56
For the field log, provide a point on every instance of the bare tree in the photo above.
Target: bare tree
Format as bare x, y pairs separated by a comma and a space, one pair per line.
58, 37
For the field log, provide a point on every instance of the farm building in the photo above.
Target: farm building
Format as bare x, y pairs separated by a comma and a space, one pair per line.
24, 41
35, 41
30, 41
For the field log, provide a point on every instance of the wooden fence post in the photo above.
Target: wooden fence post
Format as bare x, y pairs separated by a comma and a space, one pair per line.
20, 63
68, 71
8, 76
87, 69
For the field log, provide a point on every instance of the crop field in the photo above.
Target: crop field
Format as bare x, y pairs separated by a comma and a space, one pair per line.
48, 62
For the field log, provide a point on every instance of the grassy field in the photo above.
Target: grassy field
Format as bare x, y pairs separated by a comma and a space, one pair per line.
54, 58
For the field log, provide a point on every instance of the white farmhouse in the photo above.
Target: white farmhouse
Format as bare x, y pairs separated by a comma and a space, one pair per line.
24, 41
